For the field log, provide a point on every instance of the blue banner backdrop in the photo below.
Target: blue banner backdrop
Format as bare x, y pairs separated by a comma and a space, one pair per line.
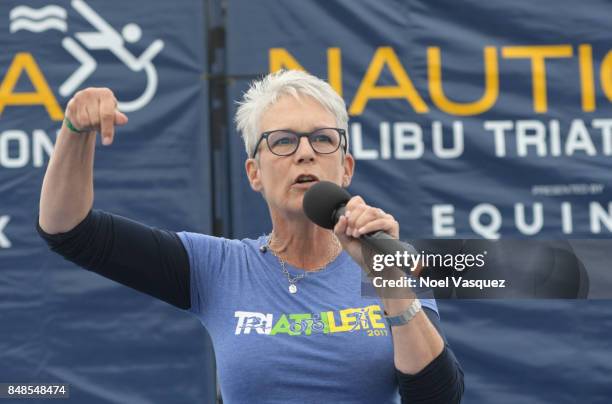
468, 119
59, 323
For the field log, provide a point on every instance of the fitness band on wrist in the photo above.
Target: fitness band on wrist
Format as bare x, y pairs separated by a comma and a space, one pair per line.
70, 126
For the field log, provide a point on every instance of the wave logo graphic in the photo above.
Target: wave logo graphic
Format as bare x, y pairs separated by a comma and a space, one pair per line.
38, 20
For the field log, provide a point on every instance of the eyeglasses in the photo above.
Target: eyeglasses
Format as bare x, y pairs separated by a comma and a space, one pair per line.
285, 142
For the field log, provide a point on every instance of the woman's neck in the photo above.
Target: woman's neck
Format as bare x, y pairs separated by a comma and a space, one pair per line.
302, 243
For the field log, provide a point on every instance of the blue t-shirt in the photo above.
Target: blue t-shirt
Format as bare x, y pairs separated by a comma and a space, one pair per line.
324, 344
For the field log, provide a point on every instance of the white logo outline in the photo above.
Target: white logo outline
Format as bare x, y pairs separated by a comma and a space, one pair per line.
105, 38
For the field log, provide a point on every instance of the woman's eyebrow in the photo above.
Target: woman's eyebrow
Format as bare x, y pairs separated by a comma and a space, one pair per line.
316, 128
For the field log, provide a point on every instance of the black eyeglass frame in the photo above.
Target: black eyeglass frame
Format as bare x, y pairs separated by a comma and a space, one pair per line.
300, 135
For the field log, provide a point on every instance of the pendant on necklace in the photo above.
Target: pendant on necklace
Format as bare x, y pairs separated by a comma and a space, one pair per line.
292, 288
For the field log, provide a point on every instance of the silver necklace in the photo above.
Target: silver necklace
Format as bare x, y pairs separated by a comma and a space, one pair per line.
293, 280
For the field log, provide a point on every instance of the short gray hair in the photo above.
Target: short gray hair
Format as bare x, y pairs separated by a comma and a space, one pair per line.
265, 92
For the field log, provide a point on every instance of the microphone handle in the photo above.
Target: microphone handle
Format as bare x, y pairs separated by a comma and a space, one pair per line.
379, 241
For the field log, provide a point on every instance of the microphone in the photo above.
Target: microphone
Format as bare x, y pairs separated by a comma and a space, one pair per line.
325, 202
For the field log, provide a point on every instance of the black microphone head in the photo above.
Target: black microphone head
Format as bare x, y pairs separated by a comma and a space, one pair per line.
322, 200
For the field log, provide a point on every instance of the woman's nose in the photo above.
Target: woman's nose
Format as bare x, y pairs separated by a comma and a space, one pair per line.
304, 149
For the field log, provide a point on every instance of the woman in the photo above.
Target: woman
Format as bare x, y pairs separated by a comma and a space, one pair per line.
284, 311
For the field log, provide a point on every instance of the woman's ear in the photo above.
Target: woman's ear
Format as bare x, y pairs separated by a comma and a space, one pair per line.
349, 167
253, 174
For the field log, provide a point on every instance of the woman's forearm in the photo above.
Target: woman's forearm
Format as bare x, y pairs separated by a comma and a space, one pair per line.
67, 190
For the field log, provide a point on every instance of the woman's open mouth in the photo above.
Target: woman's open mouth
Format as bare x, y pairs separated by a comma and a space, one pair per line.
305, 181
